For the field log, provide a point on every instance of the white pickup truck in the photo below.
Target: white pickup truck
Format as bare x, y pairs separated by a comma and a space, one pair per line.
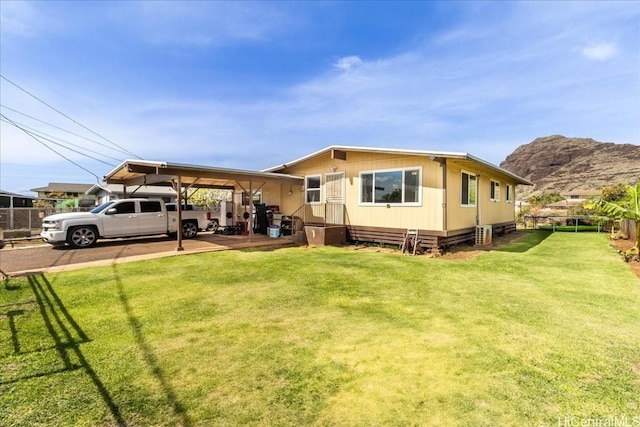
121, 218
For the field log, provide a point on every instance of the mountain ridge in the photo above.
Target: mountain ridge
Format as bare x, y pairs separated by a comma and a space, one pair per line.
561, 164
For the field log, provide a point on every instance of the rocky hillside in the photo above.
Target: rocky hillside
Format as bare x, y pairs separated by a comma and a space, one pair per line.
559, 164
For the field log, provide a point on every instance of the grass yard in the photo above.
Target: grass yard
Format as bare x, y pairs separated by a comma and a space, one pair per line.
545, 329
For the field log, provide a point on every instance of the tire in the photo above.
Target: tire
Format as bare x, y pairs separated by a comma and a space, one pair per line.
81, 237
189, 229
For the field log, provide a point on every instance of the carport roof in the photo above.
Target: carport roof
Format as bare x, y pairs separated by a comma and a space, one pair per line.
145, 172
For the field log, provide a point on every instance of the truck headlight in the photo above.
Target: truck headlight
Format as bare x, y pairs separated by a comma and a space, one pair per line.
52, 225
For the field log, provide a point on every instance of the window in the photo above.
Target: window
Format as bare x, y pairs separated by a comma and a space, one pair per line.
125, 208
312, 189
390, 187
469, 189
509, 196
256, 198
150, 207
495, 191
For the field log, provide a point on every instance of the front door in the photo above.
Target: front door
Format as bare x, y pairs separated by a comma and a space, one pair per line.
334, 190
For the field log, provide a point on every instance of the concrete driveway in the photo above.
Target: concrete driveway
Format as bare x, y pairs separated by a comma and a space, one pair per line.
46, 258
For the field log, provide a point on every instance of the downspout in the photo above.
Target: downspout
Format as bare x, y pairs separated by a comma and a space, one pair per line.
477, 199
445, 201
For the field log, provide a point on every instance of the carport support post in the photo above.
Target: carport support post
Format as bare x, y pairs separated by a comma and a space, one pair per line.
251, 209
179, 211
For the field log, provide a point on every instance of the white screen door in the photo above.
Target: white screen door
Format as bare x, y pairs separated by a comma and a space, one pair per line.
334, 190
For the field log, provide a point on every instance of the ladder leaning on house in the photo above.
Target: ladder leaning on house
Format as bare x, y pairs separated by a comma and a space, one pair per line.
411, 243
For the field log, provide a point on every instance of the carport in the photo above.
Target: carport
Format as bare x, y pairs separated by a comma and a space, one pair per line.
183, 177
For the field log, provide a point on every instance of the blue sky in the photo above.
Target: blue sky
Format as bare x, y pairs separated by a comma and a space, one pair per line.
250, 85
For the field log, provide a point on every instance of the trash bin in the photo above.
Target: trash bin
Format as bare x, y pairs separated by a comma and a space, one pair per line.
274, 231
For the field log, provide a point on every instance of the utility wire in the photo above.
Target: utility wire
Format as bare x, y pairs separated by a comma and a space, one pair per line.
63, 114
64, 130
59, 154
61, 142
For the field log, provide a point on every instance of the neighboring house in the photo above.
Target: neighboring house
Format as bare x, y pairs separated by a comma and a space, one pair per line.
13, 200
67, 190
573, 198
106, 192
14, 211
579, 196
378, 194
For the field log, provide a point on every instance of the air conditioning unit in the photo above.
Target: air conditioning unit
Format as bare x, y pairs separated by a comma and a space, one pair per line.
483, 234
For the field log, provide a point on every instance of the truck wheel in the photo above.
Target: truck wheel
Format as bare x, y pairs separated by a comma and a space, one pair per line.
189, 229
82, 237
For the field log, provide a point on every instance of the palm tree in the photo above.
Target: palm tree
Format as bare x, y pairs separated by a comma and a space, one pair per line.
628, 208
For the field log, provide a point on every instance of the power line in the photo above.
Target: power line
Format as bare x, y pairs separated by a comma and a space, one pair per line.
63, 114
62, 142
59, 154
64, 130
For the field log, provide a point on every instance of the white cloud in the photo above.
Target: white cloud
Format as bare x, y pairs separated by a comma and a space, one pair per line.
19, 18
600, 51
202, 23
346, 63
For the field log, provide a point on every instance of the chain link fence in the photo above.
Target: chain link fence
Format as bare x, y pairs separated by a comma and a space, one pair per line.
23, 222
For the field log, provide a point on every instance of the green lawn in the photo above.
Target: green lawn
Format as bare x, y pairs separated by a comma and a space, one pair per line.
544, 329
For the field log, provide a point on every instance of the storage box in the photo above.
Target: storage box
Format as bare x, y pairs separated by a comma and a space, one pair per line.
274, 231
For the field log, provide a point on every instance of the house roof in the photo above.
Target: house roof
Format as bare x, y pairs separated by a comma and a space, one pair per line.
423, 153
141, 172
581, 193
63, 187
22, 196
144, 190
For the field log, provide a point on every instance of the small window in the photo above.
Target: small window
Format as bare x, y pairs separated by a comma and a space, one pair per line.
150, 206
312, 189
509, 195
469, 189
125, 208
495, 191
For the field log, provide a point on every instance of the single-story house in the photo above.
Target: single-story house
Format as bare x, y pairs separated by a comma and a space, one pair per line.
380, 193
374, 194
106, 192
13, 200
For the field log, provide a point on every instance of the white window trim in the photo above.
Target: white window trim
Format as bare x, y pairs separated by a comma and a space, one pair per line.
491, 184
306, 189
471, 174
508, 196
403, 170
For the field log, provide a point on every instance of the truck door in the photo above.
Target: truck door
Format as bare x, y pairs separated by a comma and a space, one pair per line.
124, 222
152, 219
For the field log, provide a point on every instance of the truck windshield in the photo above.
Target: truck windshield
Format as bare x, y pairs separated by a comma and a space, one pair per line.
101, 207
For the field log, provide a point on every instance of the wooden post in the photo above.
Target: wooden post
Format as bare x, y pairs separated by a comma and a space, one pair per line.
179, 214
251, 207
